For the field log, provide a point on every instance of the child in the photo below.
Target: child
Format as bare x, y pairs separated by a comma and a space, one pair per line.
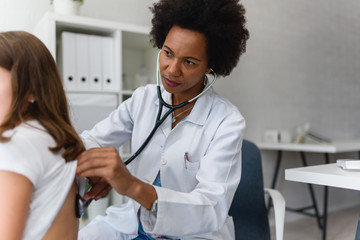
37, 144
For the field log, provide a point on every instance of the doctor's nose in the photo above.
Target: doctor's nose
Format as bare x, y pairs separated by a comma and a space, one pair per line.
174, 68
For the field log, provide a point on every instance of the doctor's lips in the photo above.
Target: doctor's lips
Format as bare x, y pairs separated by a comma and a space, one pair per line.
170, 83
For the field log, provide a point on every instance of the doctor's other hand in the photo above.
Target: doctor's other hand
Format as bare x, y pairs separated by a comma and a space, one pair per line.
99, 188
105, 164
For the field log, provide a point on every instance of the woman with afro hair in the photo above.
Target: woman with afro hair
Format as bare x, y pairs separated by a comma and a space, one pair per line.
182, 184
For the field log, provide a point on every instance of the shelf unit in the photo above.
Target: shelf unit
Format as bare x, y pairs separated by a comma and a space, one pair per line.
132, 45
132, 51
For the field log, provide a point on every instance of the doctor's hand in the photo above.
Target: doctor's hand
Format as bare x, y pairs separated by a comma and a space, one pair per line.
99, 188
104, 164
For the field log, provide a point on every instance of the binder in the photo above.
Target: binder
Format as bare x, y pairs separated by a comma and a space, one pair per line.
95, 63
82, 62
68, 60
108, 65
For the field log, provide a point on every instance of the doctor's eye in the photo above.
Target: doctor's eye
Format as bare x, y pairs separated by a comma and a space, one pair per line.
188, 62
167, 53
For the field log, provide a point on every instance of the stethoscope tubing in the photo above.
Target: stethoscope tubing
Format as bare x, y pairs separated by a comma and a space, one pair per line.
162, 103
158, 122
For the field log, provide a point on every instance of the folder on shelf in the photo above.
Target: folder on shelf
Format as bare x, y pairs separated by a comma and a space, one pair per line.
69, 60
108, 65
82, 61
95, 63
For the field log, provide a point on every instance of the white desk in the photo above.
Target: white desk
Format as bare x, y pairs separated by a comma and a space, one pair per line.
326, 149
333, 147
327, 175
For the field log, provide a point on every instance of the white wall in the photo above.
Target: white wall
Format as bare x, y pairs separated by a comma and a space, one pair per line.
24, 14
301, 65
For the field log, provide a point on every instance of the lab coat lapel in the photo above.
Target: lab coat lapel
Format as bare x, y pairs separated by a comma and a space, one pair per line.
198, 115
202, 108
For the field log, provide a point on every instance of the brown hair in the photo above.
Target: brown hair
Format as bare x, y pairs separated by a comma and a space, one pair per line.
34, 73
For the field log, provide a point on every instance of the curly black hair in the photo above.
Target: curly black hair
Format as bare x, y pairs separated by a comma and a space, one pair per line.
221, 21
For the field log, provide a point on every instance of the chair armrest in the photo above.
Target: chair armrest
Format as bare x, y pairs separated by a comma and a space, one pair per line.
279, 211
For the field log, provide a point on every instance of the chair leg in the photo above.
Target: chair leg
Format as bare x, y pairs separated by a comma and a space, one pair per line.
276, 173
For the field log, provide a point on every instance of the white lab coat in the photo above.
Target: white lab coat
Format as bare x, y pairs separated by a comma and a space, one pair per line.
195, 196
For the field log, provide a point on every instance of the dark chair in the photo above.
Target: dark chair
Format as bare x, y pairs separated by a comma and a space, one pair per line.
248, 207
357, 234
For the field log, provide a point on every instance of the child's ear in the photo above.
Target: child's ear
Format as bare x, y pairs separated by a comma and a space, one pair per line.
31, 98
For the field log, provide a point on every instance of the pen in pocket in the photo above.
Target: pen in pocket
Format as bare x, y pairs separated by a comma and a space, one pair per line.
186, 158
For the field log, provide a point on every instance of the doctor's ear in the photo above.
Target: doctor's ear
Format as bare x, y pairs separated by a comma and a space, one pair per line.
210, 71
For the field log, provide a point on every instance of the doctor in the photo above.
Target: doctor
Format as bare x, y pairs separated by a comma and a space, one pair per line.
182, 184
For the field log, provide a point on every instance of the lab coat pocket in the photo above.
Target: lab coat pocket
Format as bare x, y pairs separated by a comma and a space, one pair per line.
192, 166
189, 180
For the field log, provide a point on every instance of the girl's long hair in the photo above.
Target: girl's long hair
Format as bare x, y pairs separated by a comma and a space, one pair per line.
34, 73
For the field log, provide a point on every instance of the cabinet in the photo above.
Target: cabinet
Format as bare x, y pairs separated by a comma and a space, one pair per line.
132, 51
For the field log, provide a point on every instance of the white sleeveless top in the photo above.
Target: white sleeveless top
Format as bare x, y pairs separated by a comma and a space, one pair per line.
28, 154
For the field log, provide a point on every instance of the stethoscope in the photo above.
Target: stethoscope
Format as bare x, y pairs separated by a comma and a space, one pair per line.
162, 103
81, 204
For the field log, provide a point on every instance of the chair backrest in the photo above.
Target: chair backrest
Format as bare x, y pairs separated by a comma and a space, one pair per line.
248, 207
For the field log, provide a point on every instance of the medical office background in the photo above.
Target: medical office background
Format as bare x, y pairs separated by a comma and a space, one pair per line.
302, 65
